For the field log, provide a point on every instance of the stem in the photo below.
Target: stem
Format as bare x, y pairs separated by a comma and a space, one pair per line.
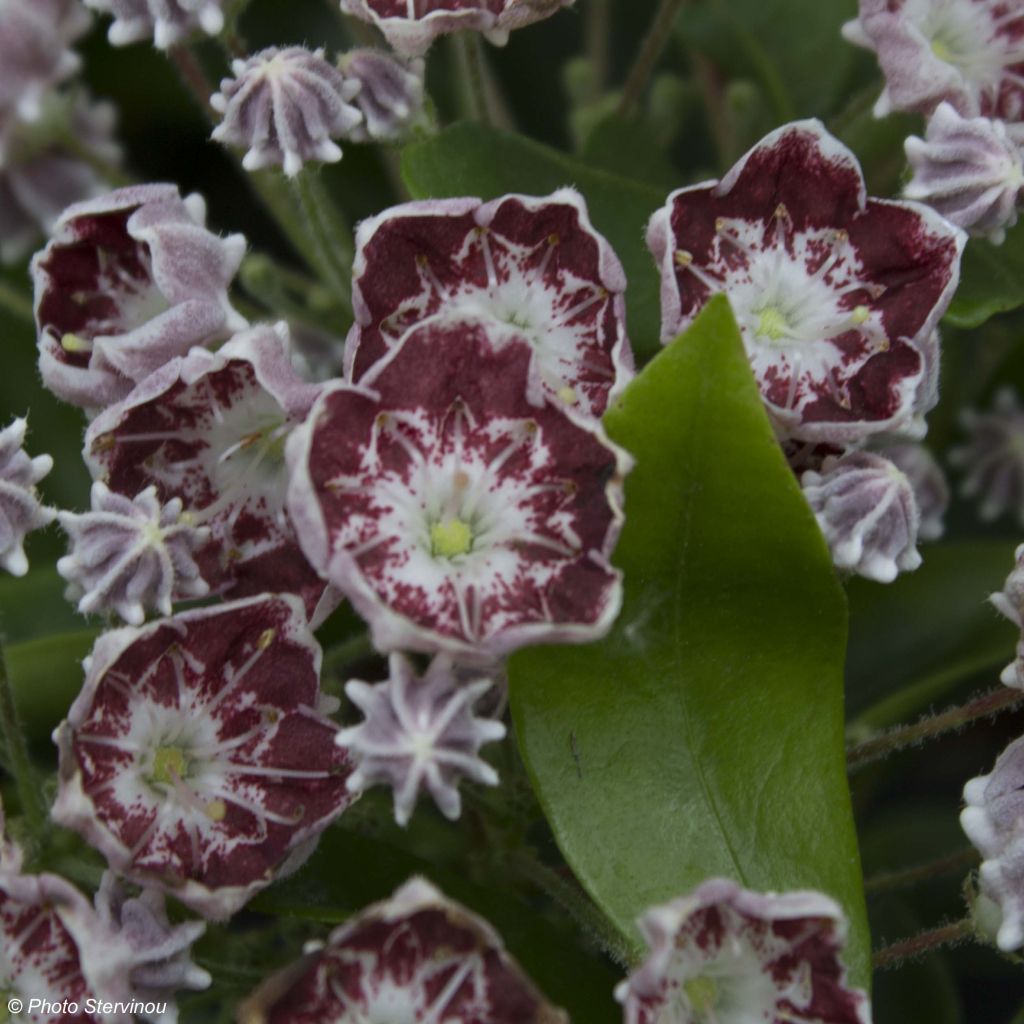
597, 32
925, 942
111, 174
193, 75
886, 881
348, 651
1000, 699
30, 793
647, 59
471, 70
12, 301
328, 231
575, 901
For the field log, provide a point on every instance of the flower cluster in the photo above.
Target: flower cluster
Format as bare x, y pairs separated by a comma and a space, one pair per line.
838, 297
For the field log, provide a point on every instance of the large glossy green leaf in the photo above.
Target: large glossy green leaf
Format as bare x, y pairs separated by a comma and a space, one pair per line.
991, 280
704, 736
474, 160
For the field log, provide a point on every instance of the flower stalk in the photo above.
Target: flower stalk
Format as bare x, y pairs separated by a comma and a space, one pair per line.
650, 51
918, 945
888, 881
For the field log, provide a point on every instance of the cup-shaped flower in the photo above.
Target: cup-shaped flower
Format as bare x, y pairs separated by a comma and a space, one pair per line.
834, 293
21, 511
40, 176
992, 458
969, 169
128, 281
1010, 602
209, 429
993, 819
728, 955
390, 95
928, 480
866, 509
455, 515
966, 52
165, 22
420, 734
533, 268
414, 957
197, 757
284, 107
36, 37
410, 26
130, 555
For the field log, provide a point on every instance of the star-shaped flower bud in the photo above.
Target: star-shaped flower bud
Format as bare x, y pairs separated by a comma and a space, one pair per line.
731, 956
390, 94
39, 174
866, 508
414, 957
969, 169
128, 281
166, 22
455, 515
412, 25
420, 734
531, 268
209, 429
197, 757
992, 458
1010, 602
965, 52
36, 37
131, 554
834, 293
21, 511
994, 822
284, 107
926, 476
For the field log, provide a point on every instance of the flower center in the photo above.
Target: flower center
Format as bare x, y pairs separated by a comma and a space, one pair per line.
169, 765
702, 993
772, 323
450, 538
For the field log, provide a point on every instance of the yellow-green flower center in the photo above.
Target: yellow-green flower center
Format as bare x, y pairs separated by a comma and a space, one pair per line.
169, 765
702, 993
450, 538
771, 324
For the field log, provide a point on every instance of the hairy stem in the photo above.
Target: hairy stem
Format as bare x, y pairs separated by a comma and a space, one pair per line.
917, 945
647, 59
887, 881
597, 37
350, 650
330, 234
470, 56
1000, 699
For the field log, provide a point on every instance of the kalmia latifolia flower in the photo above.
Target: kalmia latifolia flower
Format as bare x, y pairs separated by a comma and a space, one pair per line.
40, 176
131, 554
970, 170
284, 107
21, 511
731, 956
531, 268
414, 957
1010, 602
166, 22
197, 757
969, 53
420, 734
128, 281
835, 293
931, 491
36, 37
455, 515
866, 508
210, 428
390, 94
410, 26
994, 822
992, 458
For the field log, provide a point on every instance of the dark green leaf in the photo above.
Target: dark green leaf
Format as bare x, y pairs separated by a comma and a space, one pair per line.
991, 280
628, 147
704, 736
474, 160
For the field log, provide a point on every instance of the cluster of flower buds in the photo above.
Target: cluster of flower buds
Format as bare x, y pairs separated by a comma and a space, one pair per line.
838, 298
960, 63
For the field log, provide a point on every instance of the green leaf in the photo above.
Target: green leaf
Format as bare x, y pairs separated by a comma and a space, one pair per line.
991, 280
913, 640
474, 160
704, 736
627, 146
